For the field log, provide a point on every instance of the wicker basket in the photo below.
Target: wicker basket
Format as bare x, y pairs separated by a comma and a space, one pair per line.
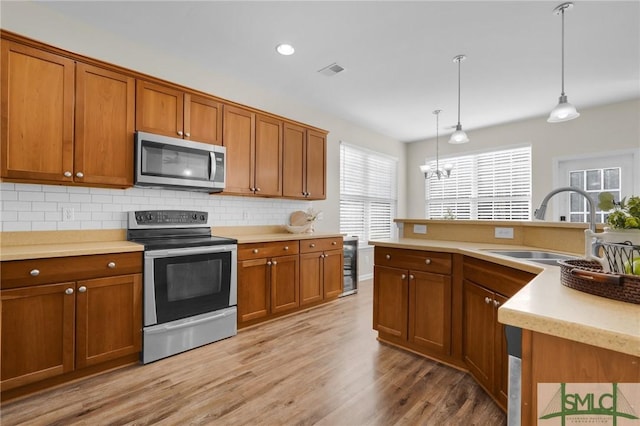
589, 277
619, 255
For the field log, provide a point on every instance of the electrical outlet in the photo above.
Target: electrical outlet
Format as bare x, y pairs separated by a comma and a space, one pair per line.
504, 233
68, 214
419, 229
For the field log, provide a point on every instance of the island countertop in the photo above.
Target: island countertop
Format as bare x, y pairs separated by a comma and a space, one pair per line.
545, 305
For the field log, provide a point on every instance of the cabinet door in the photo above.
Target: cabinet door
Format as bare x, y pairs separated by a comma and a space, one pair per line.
311, 289
478, 332
316, 166
202, 119
239, 140
501, 357
293, 161
268, 156
430, 311
109, 319
37, 333
159, 109
285, 283
332, 271
37, 114
253, 289
105, 113
390, 301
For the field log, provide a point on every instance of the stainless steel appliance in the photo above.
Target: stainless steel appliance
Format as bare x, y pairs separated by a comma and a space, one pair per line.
190, 281
514, 349
350, 270
164, 162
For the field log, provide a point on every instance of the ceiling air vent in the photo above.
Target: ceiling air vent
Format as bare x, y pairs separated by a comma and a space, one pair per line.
330, 70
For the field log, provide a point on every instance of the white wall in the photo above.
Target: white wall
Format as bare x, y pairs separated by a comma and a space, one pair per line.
597, 130
39, 23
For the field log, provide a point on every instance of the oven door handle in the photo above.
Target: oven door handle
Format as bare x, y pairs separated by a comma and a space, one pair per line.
189, 251
170, 327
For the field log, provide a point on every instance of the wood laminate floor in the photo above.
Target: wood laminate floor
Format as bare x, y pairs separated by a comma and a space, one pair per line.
323, 366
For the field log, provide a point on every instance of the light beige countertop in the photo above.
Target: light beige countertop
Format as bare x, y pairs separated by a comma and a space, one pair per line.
545, 305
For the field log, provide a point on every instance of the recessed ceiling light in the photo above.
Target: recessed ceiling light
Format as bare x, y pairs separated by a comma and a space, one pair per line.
285, 49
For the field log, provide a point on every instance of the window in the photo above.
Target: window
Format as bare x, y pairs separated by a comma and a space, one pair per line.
594, 182
491, 185
368, 188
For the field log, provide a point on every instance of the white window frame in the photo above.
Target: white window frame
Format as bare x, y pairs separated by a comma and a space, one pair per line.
372, 182
479, 190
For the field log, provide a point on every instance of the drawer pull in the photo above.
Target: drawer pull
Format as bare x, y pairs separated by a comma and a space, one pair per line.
255, 251
35, 272
411, 277
427, 261
388, 257
334, 243
403, 276
274, 263
68, 291
312, 245
269, 262
82, 289
111, 265
286, 247
487, 300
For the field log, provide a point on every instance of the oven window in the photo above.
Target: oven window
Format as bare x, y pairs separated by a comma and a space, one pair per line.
191, 285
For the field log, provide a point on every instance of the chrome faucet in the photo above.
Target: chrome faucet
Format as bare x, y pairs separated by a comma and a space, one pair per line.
542, 210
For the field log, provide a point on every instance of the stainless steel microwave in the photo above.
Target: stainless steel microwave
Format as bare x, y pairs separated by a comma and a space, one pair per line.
165, 162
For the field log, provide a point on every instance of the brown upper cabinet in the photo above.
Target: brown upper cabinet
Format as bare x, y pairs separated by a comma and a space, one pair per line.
172, 112
304, 163
40, 93
254, 153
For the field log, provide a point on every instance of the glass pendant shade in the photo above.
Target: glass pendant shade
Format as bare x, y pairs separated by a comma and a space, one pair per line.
564, 111
459, 136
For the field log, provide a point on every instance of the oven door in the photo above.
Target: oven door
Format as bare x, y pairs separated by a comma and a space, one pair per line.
185, 282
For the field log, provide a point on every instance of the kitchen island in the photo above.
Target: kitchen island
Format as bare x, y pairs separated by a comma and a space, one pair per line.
568, 336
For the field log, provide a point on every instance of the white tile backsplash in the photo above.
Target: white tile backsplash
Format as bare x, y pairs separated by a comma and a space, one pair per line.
27, 207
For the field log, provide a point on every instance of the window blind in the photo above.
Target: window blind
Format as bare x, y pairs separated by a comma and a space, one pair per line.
491, 185
368, 193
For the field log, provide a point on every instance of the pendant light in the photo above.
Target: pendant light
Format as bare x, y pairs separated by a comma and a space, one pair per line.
445, 171
459, 136
564, 111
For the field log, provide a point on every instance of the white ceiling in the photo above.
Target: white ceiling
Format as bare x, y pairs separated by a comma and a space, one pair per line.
397, 55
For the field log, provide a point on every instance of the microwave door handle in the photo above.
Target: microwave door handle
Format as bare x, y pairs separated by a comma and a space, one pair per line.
212, 165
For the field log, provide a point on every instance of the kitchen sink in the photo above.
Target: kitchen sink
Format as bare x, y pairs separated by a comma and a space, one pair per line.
545, 257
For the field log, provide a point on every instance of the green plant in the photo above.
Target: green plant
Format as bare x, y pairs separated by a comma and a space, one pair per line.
624, 214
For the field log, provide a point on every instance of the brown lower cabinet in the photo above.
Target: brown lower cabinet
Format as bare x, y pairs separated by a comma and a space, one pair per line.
445, 306
54, 327
277, 278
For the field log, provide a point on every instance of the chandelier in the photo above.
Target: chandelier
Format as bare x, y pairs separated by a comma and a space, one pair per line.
438, 172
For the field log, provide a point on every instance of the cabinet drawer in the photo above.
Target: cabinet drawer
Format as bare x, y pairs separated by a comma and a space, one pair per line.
320, 244
262, 250
417, 260
21, 273
501, 279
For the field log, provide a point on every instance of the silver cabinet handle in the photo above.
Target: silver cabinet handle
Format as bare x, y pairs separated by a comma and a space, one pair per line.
312, 245
188, 134
67, 174
82, 289
179, 132
487, 300
411, 277
334, 243
35, 272
427, 261
68, 291
258, 189
403, 276
496, 303
111, 265
269, 262
80, 174
388, 257
274, 263
286, 247
255, 251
